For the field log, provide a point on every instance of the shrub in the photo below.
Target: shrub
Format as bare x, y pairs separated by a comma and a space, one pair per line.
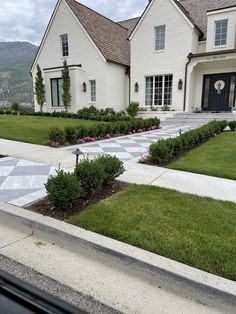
163, 151
70, 134
232, 125
57, 135
15, 107
112, 167
133, 109
91, 175
63, 189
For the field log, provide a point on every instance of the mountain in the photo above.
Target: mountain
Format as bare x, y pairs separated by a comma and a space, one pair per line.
15, 62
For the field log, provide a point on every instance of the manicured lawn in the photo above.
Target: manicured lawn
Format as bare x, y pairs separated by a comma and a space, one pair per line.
200, 232
33, 129
216, 158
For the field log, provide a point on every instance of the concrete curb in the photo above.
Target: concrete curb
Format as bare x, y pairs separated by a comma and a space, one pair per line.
182, 279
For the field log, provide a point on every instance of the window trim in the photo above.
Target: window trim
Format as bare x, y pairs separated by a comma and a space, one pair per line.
226, 40
58, 94
155, 38
62, 52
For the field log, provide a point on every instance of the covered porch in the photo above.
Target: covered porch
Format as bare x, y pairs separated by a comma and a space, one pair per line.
211, 82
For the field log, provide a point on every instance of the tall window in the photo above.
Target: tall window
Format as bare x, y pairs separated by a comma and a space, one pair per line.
64, 45
93, 95
221, 28
159, 90
160, 37
56, 92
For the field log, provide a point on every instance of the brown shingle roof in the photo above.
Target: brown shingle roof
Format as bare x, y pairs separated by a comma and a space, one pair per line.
110, 37
198, 9
129, 24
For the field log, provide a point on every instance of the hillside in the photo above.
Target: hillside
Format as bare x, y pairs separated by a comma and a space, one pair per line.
15, 80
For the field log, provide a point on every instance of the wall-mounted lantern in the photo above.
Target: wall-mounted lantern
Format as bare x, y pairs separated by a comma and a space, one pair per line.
84, 86
136, 87
180, 84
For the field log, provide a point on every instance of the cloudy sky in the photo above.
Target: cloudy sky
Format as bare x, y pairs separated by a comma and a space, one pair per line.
26, 20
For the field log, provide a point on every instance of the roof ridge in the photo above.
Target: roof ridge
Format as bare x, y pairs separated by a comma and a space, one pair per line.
132, 18
107, 18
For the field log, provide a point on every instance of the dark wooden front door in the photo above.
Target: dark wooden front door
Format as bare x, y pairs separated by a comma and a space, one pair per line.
218, 92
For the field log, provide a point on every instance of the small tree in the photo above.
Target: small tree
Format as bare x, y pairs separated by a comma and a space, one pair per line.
40, 88
66, 96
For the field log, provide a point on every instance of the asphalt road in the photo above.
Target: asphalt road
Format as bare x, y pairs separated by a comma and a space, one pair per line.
53, 287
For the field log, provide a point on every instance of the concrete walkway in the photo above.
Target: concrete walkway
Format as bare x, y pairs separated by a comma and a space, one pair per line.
186, 182
22, 176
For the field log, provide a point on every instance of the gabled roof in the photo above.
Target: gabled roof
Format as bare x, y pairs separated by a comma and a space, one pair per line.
197, 9
129, 24
111, 38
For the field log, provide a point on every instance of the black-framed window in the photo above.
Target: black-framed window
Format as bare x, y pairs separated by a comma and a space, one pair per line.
159, 90
65, 45
221, 29
56, 92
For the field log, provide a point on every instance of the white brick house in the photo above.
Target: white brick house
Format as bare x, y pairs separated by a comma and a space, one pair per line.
178, 53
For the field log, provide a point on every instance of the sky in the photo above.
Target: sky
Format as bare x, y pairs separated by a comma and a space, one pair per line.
26, 20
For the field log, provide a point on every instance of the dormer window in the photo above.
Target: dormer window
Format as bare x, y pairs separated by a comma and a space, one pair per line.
160, 37
221, 28
64, 45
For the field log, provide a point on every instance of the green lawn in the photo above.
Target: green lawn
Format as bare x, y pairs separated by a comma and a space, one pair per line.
200, 232
216, 158
33, 129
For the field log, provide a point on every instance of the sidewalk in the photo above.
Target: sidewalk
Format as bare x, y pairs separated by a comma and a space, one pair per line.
28, 171
186, 182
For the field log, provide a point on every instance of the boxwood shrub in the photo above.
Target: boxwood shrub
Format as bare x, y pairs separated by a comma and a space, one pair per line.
232, 125
163, 151
82, 134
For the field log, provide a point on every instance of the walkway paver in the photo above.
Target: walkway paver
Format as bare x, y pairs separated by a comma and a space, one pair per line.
130, 147
22, 181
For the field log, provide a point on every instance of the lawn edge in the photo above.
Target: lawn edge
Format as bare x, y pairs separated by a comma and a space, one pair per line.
190, 282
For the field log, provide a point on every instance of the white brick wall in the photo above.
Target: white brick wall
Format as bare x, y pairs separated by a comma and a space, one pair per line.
112, 86
181, 39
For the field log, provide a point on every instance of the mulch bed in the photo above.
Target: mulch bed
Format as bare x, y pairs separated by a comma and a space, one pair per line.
45, 208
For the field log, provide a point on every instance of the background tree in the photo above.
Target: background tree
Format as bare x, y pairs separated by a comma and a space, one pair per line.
66, 96
40, 88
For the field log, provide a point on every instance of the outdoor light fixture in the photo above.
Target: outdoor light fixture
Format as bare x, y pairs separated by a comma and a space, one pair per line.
136, 87
180, 84
84, 87
77, 152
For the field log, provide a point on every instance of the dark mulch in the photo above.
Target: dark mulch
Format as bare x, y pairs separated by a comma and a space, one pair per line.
45, 208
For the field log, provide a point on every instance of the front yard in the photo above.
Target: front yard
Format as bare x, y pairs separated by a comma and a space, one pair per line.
33, 129
199, 232
217, 157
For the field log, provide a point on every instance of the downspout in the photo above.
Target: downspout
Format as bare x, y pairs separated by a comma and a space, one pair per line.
186, 79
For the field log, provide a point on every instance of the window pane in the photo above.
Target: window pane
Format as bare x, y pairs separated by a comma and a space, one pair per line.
64, 45
54, 93
168, 90
158, 90
60, 92
93, 90
149, 91
160, 33
221, 28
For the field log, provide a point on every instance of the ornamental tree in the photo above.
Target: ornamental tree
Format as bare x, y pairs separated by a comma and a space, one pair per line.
40, 88
66, 96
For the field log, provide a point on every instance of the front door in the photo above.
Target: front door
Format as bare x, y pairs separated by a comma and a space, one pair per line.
219, 92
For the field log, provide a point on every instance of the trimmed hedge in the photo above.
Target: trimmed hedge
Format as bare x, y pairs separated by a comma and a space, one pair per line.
232, 125
162, 152
83, 134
